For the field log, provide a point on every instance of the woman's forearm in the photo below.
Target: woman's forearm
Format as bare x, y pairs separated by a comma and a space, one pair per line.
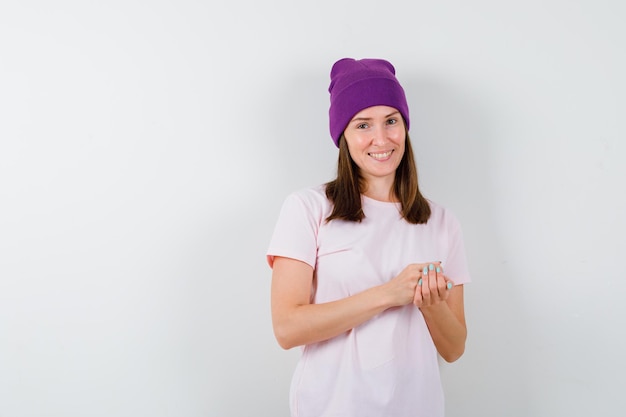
311, 323
447, 328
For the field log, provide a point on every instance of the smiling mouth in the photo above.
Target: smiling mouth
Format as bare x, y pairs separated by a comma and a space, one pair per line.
381, 155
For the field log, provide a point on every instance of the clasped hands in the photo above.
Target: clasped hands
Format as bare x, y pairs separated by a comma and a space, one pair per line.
421, 284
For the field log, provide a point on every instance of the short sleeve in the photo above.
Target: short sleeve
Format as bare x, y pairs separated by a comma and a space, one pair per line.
295, 232
456, 263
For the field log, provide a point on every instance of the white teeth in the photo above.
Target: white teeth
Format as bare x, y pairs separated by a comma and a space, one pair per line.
380, 155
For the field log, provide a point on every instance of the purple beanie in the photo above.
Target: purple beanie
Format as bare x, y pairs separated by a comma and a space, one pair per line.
358, 84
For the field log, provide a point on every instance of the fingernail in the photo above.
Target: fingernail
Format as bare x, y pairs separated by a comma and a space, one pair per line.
419, 282
438, 269
425, 270
449, 285
431, 267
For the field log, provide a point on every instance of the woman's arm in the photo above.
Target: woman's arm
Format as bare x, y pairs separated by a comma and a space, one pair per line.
298, 322
444, 312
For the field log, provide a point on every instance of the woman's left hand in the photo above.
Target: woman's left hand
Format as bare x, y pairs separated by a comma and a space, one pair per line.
433, 287
441, 304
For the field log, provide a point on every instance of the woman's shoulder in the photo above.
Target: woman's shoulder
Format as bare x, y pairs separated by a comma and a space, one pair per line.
314, 193
441, 214
312, 198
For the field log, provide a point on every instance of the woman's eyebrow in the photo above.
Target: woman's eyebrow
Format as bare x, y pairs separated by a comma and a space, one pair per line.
370, 118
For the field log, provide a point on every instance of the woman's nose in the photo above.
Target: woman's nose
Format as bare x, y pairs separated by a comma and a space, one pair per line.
379, 137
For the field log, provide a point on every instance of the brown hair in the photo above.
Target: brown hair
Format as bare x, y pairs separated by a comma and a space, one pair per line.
345, 191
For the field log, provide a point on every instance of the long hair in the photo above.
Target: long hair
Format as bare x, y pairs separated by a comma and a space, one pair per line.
344, 192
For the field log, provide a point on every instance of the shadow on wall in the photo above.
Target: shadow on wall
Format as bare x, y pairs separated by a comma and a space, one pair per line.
232, 353
290, 148
451, 136
304, 152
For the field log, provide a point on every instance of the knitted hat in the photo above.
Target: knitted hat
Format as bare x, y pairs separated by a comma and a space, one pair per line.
358, 84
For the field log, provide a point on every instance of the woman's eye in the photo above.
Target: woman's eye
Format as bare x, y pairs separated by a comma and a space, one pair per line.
392, 121
362, 126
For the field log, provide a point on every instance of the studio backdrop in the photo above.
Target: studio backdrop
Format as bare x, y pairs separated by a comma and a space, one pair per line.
146, 148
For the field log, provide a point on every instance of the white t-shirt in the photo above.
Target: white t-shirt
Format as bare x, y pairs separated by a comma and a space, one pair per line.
387, 366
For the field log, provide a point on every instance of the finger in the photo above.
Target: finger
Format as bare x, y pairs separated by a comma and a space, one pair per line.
425, 286
432, 281
417, 298
441, 282
446, 281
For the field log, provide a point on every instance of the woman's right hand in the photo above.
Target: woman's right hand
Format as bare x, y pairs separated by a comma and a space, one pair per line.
401, 289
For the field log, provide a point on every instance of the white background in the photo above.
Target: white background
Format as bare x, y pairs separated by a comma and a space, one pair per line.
146, 148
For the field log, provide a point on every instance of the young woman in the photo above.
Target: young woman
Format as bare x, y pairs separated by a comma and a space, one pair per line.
367, 274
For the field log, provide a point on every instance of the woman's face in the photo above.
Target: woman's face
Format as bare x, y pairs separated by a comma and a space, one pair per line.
376, 138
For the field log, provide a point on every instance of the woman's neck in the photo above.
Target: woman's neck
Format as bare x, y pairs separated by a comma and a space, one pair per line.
380, 190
